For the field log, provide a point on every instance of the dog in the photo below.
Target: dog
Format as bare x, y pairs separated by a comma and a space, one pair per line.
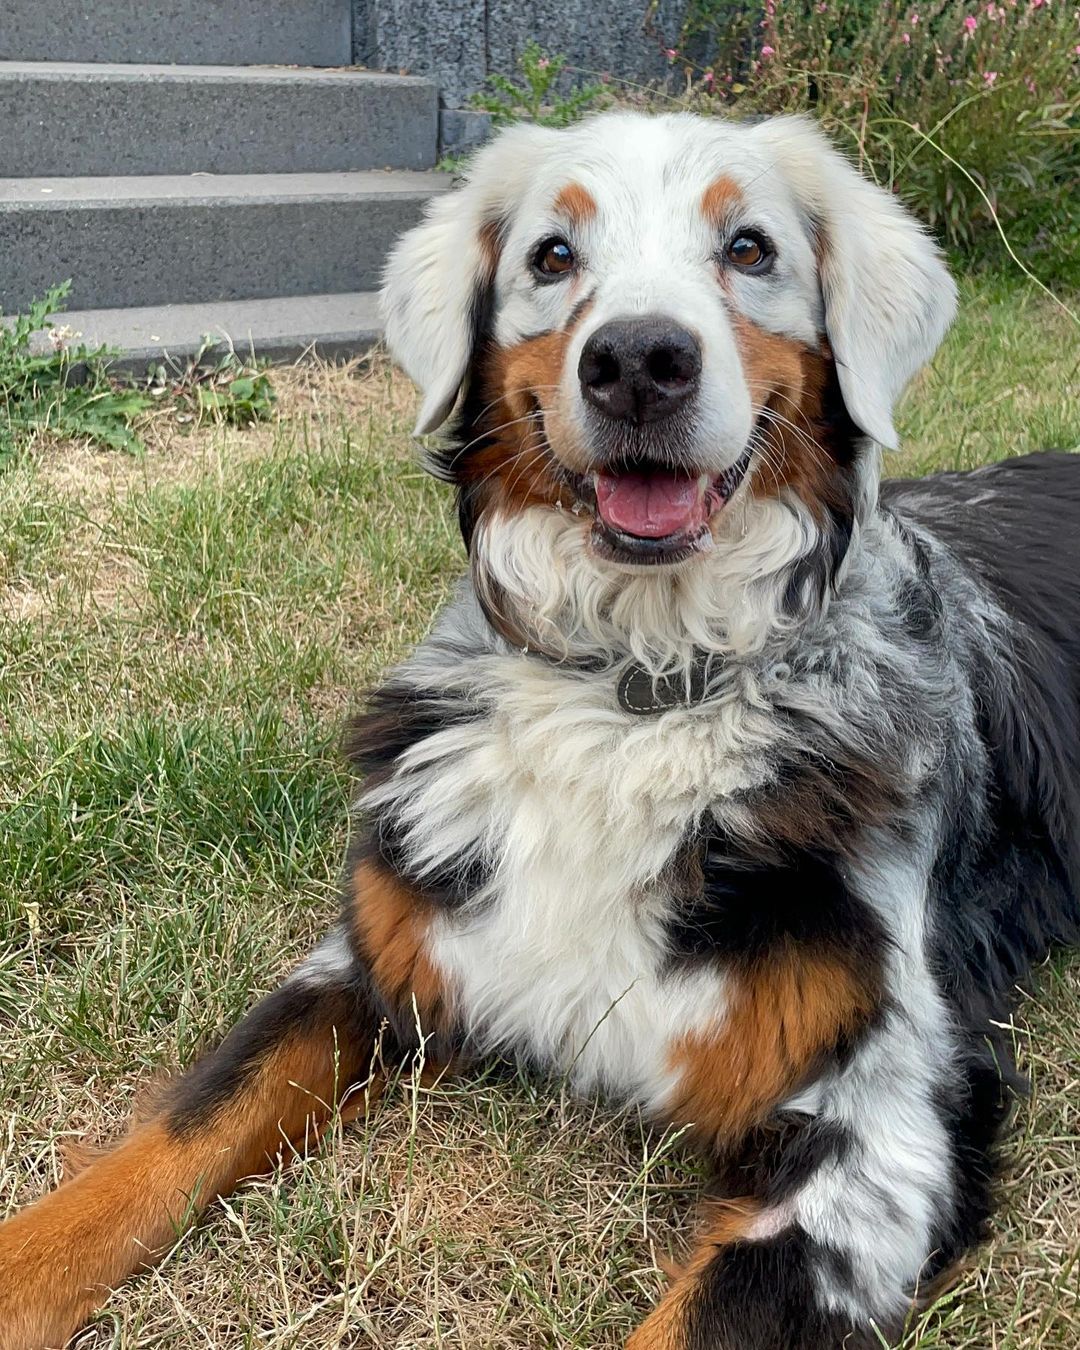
734, 783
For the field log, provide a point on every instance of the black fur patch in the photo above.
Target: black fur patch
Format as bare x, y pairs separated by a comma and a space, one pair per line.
452, 884
814, 575
764, 1296
974, 1110
293, 1010
775, 1160
398, 717
743, 908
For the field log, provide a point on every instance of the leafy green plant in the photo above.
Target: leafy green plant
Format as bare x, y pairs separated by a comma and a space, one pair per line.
537, 96
215, 387
63, 390
970, 111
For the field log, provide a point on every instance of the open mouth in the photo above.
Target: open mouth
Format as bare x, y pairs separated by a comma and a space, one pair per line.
648, 513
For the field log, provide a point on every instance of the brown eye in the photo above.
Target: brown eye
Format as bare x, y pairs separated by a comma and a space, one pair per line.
748, 250
554, 258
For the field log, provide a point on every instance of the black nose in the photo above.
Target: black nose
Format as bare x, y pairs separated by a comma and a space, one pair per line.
639, 370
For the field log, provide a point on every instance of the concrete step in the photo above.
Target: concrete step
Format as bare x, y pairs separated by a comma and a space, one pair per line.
177, 240
236, 33
74, 118
278, 329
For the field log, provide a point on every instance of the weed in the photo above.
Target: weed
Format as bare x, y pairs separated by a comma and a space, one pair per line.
63, 392
536, 96
215, 387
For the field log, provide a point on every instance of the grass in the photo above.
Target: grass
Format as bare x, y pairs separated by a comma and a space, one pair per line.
183, 633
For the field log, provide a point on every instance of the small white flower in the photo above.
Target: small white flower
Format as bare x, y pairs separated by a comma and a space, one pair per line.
61, 338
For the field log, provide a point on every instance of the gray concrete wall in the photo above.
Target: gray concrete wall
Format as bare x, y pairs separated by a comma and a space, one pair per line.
446, 42
459, 42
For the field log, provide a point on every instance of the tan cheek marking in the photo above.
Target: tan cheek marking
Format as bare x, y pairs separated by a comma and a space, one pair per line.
772, 364
519, 382
789, 378
531, 371
784, 1015
576, 203
391, 923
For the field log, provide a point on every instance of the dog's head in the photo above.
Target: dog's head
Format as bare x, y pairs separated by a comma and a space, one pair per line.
672, 343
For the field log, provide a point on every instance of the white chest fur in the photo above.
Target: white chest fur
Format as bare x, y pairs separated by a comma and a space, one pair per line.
577, 809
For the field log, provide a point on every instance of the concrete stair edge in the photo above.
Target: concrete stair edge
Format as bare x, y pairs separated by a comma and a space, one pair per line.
160, 240
333, 326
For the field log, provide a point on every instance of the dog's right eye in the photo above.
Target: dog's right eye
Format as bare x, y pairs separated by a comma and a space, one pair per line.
553, 258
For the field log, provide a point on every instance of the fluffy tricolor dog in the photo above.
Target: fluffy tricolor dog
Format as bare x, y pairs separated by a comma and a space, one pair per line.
732, 784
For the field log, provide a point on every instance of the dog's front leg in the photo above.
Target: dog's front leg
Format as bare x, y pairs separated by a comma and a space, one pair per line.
844, 1214
271, 1088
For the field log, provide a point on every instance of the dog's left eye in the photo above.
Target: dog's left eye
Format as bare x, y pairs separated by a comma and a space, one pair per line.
554, 258
749, 251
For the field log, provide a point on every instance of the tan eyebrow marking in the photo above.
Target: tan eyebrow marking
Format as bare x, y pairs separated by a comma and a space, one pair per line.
576, 203
719, 200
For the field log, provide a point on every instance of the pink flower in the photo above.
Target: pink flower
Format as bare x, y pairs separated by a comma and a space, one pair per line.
1076, 50
709, 79
543, 63
1030, 85
914, 20
1037, 4
990, 76
905, 38
768, 51
670, 53
971, 23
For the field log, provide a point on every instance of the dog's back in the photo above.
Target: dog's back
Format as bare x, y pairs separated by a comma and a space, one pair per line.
1011, 881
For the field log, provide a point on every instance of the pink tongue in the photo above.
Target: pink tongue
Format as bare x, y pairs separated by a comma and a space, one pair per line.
649, 505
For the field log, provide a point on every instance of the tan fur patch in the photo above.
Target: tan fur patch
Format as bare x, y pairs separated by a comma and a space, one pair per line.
490, 246
785, 1013
788, 379
576, 203
520, 384
391, 921
60, 1258
719, 200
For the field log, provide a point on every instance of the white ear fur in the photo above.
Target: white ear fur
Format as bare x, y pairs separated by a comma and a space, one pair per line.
888, 296
437, 273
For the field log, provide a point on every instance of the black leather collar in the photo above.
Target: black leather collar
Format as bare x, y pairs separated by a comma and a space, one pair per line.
646, 695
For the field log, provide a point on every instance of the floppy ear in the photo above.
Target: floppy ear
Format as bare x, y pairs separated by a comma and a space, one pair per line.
439, 274
887, 294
